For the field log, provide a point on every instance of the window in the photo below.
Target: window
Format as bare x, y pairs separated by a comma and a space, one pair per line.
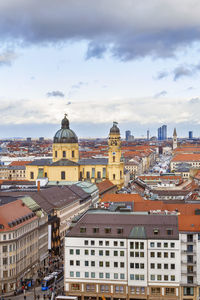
86, 263
104, 288
158, 245
121, 264
77, 274
170, 291
64, 153
136, 245
152, 244
100, 243
165, 245
107, 264
107, 275
107, 243
172, 278
90, 288
188, 291
101, 252
107, 230
107, 252
131, 276
155, 291
141, 266
190, 248
56, 153
141, 277
152, 266
159, 254
86, 274
115, 243
121, 244
131, 254
172, 255
31, 175
190, 279
5, 249
141, 245
75, 287
172, 245
115, 276
99, 175
115, 264
132, 265
121, 253
169, 231
100, 275
88, 175
71, 251
159, 266
92, 252
72, 153
172, 266
82, 229
92, 263
77, 262
101, 264
85, 243
165, 254
122, 276
63, 175
159, 277
131, 245
156, 231
5, 260
152, 277
96, 230
137, 265
92, 274
113, 158
115, 253
71, 262
77, 251
86, 252
189, 238
141, 254
166, 277
113, 176
152, 254
190, 259
71, 274
137, 254
165, 266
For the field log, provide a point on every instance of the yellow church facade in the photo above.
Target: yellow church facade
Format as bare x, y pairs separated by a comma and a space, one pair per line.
65, 164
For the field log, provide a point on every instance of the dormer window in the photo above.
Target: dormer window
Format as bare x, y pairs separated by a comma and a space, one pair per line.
156, 231
107, 230
169, 231
96, 230
119, 230
82, 229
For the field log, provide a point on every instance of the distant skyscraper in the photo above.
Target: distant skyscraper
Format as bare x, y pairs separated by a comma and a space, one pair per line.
159, 133
28, 139
148, 134
190, 134
162, 133
127, 133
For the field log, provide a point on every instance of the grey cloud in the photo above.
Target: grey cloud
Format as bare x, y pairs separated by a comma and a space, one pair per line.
161, 94
132, 29
78, 85
161, 75
182, 71
56, 94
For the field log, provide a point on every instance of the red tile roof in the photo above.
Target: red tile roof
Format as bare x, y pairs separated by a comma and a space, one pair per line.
19, 163
12, 211
105, 186
186, 157
122, 198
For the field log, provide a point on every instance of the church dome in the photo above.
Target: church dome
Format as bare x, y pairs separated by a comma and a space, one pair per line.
65, 134
114, 129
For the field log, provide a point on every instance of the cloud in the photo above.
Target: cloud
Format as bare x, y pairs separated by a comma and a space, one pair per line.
183, 71
161, 75
126, 29
160, 94
195, 100
7, 57
56, 94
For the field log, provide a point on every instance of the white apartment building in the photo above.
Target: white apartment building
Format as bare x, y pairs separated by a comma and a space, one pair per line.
123, 256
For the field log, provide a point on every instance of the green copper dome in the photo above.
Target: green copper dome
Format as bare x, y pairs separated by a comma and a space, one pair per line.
65, 134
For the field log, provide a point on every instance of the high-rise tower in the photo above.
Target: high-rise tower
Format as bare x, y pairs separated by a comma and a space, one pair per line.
174, 139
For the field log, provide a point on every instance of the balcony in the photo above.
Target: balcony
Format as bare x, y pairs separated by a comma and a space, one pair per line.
188, 262
189, 251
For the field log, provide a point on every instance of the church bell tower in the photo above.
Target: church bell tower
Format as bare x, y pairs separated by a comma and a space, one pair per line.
174, 139
115, 162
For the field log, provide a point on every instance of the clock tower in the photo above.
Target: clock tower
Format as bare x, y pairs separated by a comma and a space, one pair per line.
115, 162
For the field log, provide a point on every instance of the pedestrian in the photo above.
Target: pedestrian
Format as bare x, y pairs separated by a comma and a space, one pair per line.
24, 297
44, 296
38, 296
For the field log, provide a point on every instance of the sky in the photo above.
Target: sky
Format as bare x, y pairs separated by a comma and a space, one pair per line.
131, 61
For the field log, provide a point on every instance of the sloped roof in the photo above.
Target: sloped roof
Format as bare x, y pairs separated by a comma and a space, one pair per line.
105, 185
122, 198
